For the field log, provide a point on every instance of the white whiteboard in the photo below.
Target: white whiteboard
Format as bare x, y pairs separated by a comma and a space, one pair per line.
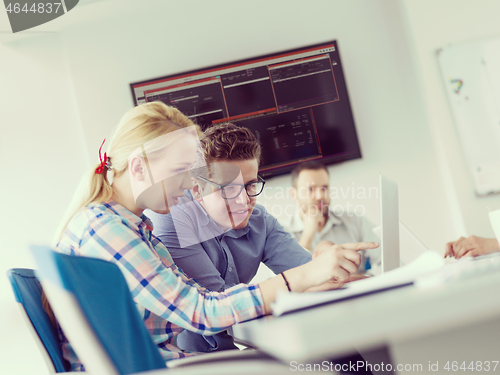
471, 77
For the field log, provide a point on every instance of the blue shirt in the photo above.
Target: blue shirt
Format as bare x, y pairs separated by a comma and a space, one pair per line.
220, 259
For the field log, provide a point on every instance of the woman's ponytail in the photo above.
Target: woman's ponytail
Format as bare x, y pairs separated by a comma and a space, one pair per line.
137, 127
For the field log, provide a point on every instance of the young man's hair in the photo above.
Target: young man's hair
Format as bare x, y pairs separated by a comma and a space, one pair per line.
307, 165
227, 141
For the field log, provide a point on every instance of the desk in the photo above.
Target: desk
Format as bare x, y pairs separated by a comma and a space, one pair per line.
457, 321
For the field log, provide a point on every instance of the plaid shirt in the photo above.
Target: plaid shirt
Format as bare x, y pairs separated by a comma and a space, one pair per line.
109, 231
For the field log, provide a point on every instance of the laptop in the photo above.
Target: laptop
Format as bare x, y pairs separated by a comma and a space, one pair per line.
398, 244
389, 219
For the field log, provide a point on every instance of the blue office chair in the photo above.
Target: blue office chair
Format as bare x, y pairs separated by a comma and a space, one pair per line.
28, 293
94, 307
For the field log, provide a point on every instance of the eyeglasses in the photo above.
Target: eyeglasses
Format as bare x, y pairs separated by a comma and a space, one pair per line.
232, 191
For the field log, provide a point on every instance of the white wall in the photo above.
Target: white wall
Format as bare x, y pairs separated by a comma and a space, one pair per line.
435, 24
43, 156
62, 93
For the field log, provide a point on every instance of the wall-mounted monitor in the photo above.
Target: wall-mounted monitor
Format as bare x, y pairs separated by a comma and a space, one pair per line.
294, 101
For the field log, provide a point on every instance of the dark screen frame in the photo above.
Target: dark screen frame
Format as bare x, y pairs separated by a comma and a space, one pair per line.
355, 153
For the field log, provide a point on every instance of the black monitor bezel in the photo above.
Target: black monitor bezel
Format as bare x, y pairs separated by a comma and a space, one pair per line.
279, 170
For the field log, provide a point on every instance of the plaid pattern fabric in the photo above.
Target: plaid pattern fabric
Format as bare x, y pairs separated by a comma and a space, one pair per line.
166, 298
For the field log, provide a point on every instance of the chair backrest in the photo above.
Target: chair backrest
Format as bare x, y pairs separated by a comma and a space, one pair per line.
95, 309
28, 293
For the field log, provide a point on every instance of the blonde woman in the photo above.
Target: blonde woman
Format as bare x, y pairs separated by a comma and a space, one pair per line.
148, 159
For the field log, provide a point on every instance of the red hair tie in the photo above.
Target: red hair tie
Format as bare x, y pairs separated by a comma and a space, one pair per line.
103, 161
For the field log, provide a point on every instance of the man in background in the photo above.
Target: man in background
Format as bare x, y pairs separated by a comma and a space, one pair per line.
315, 221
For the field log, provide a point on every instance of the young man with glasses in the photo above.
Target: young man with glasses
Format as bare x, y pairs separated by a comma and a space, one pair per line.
217, 234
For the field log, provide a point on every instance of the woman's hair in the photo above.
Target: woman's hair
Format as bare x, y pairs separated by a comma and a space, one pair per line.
139, 126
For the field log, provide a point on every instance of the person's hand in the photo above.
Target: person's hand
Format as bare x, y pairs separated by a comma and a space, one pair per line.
313, 219
330, 269
322, 246
329, 285
332, 284
356, 277
471, 247
334, 264
325, 245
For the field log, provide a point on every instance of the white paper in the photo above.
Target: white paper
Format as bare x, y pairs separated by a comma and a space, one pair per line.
427, 263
